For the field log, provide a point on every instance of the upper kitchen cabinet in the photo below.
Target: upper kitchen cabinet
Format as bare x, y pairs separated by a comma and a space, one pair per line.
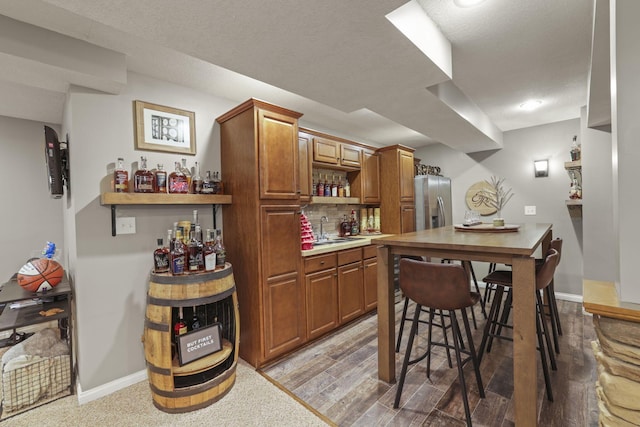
305, 159
276, 142
333, 152
397, 197
366, 184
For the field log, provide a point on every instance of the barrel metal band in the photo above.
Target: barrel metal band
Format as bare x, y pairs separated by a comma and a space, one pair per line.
161, 327
185, 279
192, 301
158, 370
196, 389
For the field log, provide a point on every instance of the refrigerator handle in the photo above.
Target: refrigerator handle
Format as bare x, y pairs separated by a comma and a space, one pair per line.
441, 208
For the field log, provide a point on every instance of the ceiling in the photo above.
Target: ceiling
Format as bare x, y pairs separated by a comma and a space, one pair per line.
342, 64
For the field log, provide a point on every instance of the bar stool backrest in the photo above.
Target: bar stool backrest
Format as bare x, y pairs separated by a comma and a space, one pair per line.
439, 286
557, 245
544, 275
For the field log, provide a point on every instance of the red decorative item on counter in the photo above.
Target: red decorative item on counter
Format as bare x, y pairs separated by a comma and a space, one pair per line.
306, 234
40, 274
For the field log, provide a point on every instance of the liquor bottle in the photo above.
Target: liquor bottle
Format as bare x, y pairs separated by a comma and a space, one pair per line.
187, 173
345, 227
173, 236
143, 178
221, 252
180, 327
320, 187
219, 183
178, 181
195, 320
347, 189
160, 179
327, 187
195, 253
196, 181
314, 186
195, 226
120, 177
334, 187
209, 252
207, 184
340, 188
355, 227
161, 258
178, 256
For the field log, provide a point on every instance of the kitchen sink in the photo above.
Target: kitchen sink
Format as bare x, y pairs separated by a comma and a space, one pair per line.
336, 240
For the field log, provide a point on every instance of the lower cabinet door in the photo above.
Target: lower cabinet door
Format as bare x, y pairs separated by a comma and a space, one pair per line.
322, 302
350, 291
283, 326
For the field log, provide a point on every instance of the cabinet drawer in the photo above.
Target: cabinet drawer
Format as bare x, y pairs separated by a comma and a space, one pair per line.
370, 251
319, 262
350, 255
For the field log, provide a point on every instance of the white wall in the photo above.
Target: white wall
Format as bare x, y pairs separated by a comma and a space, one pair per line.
111, 273
29, 216
515, 163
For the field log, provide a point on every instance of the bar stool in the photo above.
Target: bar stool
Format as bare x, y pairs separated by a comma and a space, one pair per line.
440, 287
504, 280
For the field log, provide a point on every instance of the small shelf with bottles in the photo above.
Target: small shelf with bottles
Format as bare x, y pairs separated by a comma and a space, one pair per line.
574, 170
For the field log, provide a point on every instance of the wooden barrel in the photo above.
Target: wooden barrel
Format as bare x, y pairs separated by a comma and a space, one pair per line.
177, 388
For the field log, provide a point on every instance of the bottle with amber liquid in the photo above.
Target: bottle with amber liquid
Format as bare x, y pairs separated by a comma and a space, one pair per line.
187, 173
180, 327
178, 256
196, 260
340, 188
334, 187
120, 177
196, 181
178, 181
320, 187
161, 257
143, 178
355, 227
160, 179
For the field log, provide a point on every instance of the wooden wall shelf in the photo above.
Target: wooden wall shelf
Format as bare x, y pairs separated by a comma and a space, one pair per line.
114, 199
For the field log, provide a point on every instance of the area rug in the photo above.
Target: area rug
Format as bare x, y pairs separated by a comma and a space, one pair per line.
252, 401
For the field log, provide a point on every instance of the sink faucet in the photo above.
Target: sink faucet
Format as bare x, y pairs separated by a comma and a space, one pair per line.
323, 219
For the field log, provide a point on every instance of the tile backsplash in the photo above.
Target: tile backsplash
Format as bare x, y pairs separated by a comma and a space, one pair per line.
334, 214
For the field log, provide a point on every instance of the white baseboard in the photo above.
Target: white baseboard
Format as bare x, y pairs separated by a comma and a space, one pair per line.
111, 387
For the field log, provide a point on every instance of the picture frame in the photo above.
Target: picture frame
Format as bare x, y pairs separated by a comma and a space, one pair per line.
200, 343
162, 128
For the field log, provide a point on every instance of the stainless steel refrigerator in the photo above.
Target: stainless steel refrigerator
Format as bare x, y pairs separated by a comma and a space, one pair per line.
433, 201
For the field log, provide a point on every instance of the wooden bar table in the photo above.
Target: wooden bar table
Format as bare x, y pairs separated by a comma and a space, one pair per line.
516, 248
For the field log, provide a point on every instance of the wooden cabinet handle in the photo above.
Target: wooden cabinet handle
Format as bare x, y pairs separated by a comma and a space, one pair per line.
321, 262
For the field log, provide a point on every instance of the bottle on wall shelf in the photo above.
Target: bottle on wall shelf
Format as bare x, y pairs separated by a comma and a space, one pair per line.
218, 184
161, 257
334, 187
120, 177
221, 252
187, 173
320, 187
347, 189
196, 181
314, 186
207, 184
340, 188
575, 149
143, 178
327, 187
178, 181
160, 179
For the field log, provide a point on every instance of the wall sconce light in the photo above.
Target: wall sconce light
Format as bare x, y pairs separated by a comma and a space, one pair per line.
541, 168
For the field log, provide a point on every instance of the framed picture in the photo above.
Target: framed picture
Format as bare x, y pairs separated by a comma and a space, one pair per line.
160, 128
199, 343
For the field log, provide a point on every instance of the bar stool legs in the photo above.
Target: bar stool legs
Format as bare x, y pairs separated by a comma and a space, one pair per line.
457, 347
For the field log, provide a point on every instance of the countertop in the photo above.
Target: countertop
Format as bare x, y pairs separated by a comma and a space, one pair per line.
356, 242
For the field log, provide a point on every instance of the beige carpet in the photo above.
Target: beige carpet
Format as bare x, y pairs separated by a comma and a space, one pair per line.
252, 401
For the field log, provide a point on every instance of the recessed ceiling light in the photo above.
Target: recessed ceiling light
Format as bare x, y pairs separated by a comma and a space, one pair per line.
467, 3
531, 104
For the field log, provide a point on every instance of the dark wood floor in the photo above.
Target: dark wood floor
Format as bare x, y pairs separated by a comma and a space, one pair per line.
337, 376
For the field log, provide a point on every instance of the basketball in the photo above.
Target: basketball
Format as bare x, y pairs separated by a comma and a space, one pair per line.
40, 275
